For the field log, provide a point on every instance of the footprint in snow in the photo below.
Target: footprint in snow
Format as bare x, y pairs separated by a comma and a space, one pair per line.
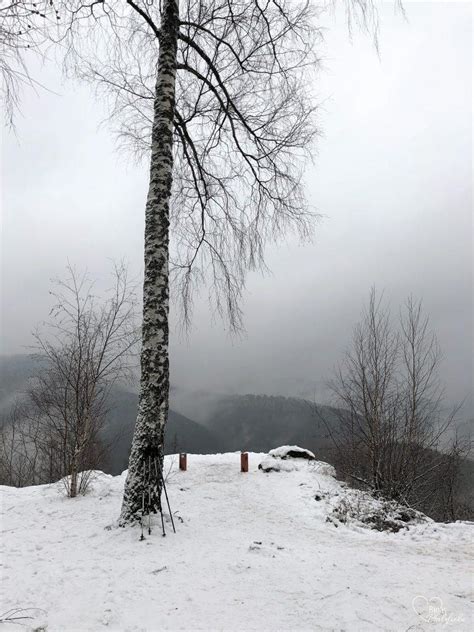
159, 570
265, 549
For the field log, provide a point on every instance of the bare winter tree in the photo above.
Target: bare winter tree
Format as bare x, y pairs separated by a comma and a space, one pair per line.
22, 31
365, 391
84, 350
19, 451
455, 497
393, 431
218, 94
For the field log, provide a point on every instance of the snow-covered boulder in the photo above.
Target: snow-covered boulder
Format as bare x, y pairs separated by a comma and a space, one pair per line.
274, 464
285, 458
292, 452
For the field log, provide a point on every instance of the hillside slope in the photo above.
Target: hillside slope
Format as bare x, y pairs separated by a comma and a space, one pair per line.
182, 433
252, 552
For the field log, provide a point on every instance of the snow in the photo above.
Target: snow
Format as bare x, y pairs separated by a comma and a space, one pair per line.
253, 551
360, 509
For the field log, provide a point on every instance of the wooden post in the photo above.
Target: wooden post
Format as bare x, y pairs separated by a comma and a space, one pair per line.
183, 461
244, 462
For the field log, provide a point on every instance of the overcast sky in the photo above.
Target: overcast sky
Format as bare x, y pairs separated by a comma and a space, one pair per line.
393, 180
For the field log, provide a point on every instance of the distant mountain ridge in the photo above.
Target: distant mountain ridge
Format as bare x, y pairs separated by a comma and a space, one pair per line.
262, 422
226, 422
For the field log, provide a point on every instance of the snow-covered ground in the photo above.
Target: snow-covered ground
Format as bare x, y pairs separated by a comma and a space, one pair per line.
252, 552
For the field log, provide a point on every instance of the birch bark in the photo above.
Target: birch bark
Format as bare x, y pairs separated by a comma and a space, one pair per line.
143, 485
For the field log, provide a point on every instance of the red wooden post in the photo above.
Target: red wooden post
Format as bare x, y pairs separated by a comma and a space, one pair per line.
183, 461
244, 461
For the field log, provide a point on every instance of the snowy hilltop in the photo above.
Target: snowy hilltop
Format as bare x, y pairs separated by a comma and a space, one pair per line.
290, 548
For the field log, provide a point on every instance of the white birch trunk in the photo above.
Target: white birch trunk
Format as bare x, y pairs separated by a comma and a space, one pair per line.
141, 492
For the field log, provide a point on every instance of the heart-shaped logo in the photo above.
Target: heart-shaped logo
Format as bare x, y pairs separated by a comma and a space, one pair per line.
429, 610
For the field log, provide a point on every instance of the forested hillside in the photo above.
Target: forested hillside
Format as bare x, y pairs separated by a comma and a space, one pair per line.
260, 422
227, 423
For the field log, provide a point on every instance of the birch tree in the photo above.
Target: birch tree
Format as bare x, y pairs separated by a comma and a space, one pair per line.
217, 94
228, 109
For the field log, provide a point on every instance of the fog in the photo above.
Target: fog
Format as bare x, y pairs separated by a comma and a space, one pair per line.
392, 181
